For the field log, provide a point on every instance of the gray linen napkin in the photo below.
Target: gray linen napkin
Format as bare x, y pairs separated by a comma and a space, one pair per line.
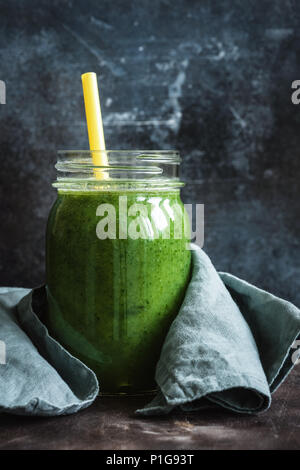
37, 375
231, 344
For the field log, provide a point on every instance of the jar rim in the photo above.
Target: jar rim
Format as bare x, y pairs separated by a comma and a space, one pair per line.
170, 156
124, 167
134, 151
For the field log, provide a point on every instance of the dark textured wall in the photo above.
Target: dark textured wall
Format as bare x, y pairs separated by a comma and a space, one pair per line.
210, 78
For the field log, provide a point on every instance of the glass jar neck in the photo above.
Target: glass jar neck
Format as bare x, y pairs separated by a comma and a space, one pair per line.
123, 170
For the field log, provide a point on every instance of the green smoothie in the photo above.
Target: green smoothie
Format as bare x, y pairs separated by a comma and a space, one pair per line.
111, 301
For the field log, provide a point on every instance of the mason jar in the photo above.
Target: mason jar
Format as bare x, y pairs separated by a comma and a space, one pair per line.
117, 262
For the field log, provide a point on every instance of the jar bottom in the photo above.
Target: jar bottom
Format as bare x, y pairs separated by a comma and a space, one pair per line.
128, 390
129, 393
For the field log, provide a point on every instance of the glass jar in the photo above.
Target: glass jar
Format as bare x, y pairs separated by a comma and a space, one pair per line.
117, 262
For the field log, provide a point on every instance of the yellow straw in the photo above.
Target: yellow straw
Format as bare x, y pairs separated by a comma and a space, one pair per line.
94, 121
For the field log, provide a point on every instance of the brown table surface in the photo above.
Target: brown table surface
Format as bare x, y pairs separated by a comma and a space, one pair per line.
110, 424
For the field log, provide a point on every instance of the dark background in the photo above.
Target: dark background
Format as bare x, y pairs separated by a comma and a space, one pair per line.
210, 78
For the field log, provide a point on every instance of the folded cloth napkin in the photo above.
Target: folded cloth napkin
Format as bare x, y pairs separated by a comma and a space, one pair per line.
37, 375
231, 344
